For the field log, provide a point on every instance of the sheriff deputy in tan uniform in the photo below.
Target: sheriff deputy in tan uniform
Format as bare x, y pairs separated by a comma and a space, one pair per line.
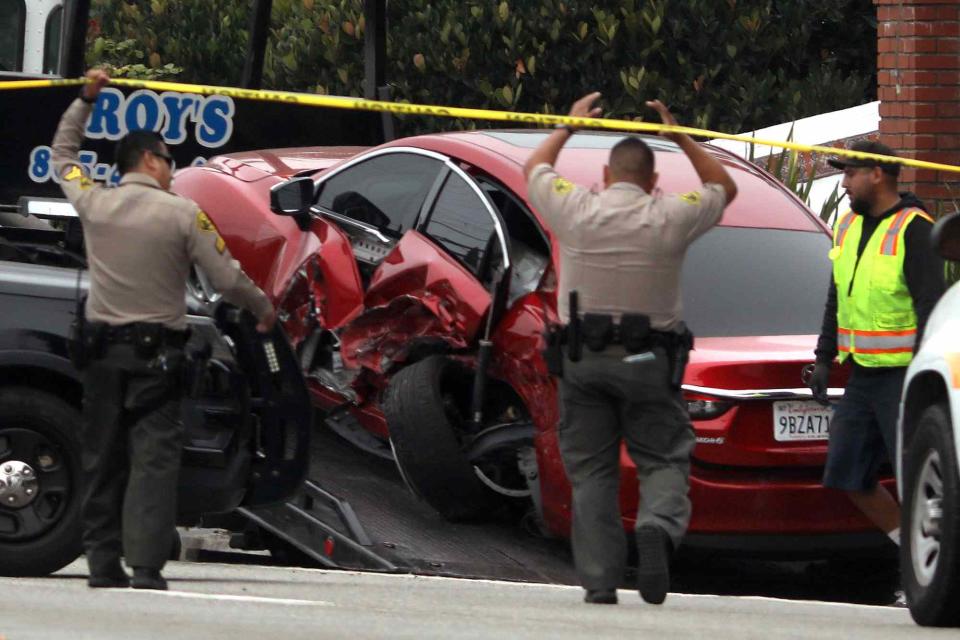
141, 240
621, 252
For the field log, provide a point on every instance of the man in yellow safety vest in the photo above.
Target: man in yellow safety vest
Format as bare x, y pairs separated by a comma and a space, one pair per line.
886, 280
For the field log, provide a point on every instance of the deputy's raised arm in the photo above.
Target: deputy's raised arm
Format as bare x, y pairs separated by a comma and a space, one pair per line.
549, 149
708, 168
69, 136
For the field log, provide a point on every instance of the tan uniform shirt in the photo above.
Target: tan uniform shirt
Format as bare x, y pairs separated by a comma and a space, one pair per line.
142, 240
622, 249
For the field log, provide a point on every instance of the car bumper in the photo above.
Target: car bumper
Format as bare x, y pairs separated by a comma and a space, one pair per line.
852, 544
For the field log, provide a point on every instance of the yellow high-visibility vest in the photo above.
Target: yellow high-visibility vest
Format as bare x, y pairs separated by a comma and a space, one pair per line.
876, 322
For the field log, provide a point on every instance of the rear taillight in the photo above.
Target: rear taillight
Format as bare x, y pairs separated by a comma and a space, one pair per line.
700, 409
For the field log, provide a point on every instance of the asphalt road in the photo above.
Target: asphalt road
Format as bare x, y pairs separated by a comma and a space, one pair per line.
218, 601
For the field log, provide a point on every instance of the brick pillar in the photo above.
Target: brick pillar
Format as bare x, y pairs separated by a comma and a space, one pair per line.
918, 84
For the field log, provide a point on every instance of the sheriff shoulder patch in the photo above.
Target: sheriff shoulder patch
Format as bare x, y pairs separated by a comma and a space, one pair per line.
692, 197
204, 223
75, 173
562, 186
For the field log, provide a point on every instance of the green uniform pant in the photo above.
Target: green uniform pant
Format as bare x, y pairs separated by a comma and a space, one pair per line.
132, 443
605, 401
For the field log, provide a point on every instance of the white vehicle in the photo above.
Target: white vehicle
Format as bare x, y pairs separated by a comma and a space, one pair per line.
927, 456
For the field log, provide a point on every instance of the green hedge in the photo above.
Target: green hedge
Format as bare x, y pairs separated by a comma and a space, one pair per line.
730, 65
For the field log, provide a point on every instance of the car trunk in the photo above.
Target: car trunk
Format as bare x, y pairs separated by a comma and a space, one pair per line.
762, 414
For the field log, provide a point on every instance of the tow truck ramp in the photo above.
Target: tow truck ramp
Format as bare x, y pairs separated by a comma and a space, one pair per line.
355, 513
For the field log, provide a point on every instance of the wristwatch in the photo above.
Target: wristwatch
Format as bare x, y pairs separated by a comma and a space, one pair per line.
568, 127
84, 97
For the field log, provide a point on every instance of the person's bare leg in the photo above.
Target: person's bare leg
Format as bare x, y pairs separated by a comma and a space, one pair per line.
878, 505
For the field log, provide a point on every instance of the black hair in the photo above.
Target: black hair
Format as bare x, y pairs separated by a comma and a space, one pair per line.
131, 147
631, 158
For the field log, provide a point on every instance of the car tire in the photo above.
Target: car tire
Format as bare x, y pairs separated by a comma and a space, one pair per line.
930, 551
44, 430
426, 445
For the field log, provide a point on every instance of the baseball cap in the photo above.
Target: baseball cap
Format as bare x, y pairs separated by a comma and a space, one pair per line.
868, 146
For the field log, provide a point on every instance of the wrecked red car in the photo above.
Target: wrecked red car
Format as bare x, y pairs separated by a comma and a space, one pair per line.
416, 281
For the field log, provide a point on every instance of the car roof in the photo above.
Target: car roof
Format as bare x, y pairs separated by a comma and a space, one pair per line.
762, 201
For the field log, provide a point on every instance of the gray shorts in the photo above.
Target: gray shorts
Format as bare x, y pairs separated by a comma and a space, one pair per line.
863, 434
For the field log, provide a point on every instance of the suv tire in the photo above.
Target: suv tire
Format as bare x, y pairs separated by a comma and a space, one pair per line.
424, 433
44, 430
930, 551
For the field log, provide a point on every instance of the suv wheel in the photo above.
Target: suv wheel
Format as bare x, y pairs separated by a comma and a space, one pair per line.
39, 482
425, 429
930, 523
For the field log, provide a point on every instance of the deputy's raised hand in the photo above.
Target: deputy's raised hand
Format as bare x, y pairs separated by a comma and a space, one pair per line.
666, 117
584, 107
98, 79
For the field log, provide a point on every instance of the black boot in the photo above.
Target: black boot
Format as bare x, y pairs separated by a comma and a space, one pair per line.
147, 578
600, 596
653, 572
110, 577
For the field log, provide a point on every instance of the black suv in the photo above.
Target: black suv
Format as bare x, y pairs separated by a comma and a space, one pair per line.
247, 424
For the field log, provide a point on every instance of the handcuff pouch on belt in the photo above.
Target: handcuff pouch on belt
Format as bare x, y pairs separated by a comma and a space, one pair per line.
635, 332
553, 351
596, 330
599, 331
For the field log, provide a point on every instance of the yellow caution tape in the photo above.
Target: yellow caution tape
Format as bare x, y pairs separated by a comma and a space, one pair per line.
402, 108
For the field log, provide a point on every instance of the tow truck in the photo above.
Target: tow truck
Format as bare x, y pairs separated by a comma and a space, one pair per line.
254, 464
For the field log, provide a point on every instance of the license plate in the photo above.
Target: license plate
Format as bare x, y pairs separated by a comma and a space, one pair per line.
801, 420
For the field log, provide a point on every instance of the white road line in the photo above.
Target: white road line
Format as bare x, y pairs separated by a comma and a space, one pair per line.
233, 598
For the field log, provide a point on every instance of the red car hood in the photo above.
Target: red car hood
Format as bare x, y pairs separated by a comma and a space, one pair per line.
753, 362
250, 166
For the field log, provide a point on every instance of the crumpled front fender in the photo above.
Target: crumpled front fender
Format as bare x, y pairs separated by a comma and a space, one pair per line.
386, 334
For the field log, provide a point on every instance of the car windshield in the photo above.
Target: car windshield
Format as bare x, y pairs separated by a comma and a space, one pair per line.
756, 282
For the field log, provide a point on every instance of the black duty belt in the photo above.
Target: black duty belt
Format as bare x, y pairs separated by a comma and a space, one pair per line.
597, 331
145, 333
654, 337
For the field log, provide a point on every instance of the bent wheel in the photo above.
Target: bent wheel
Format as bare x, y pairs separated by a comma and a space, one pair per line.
425, 433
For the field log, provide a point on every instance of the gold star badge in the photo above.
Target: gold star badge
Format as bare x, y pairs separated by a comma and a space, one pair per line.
204, 223
691, 198
562, 186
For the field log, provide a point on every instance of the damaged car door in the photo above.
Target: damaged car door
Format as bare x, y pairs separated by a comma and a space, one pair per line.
429, 251
246, 413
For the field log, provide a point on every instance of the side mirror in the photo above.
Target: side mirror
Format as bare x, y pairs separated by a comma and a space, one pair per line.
292, 198
946, 236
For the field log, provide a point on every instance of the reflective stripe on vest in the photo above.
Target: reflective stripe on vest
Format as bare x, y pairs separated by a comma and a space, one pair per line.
891, 238
876, 342
843, 227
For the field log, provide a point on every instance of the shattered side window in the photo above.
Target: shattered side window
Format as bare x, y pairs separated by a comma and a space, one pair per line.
461, 224
386, 192
13, 15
